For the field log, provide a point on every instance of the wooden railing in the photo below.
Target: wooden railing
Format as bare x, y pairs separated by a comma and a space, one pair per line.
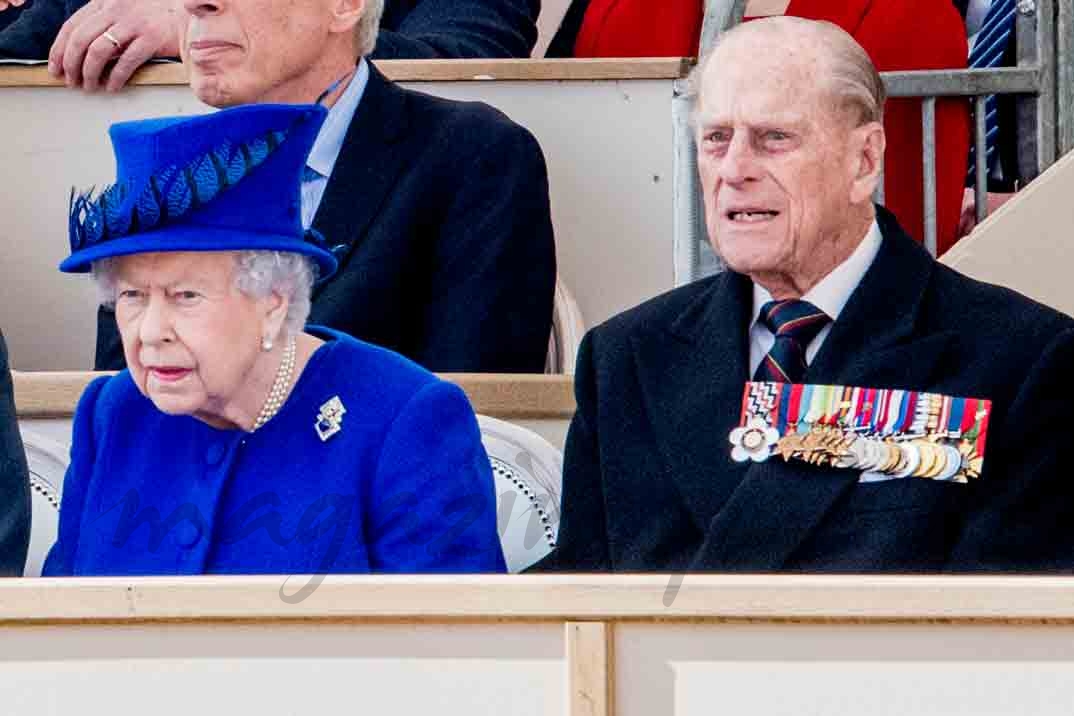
55, 394
581, 644
654, 68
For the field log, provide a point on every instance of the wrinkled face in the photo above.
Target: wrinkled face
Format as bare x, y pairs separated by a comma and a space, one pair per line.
247, 51
190, 337
774, 157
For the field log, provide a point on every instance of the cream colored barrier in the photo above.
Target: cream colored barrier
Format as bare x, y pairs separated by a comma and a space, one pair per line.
605, 127
1028, 244
574, 645
45, 401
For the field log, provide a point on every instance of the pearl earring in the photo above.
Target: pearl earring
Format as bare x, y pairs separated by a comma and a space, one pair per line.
266, 344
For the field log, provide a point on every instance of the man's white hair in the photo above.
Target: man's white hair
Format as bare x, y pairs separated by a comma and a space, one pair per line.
258, 274
368, 25
850, 76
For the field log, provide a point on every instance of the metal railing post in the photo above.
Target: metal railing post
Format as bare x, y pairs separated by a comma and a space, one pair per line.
928, 171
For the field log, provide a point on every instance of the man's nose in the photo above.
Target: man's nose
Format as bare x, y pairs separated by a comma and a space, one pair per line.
201, 8
739, 163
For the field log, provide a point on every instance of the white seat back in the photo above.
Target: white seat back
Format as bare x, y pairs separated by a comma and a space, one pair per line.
47, 460
528, 472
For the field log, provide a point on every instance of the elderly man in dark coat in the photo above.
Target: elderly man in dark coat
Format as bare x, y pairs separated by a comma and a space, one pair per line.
859, 444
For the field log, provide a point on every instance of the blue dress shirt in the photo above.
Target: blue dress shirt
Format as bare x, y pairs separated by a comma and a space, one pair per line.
325, 151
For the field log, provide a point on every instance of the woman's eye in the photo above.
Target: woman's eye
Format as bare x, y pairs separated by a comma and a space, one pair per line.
130, 294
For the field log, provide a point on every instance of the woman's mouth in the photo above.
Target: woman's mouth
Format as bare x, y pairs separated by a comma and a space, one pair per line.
167, 374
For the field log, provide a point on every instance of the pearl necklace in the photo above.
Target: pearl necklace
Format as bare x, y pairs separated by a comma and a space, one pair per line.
276, 396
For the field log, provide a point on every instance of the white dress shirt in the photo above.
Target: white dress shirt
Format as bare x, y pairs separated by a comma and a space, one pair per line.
325, 151
829, 295
976, 12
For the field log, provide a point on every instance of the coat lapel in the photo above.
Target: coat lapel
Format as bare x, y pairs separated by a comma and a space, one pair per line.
875, 343
369, 163
693, 407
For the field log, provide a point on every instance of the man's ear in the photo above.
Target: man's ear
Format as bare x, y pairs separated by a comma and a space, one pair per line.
867, 155
345, 14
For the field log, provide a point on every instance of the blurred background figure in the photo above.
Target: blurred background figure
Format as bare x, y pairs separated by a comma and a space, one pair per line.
993, 43
99, 43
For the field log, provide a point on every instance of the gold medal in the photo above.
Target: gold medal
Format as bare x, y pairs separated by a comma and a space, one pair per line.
928, 459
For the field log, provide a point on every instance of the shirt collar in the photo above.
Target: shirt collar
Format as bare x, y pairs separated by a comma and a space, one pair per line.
833, 291
325, 151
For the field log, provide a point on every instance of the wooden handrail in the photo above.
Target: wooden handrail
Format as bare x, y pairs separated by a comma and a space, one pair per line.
49, 394
542, 598
653, 68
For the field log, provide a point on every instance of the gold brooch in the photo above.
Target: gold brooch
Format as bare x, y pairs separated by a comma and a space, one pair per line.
330, 419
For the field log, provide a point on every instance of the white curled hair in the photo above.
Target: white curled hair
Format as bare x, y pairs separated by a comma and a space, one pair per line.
365, 32
852, 79
258, 274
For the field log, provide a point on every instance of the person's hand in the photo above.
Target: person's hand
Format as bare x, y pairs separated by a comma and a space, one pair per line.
968, 220
5, 4
126, 32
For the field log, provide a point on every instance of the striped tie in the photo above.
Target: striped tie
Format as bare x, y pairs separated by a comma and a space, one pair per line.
794, 324
988, 50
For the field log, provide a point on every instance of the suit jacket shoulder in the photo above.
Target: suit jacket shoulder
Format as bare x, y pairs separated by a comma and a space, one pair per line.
670, 311
14, 477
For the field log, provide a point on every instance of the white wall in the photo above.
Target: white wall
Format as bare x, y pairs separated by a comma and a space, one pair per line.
608, 145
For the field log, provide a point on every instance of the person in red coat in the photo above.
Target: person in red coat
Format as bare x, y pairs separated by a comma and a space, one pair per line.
897, 35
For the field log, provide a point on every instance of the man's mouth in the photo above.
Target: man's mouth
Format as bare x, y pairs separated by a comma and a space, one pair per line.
205, 49
751, 216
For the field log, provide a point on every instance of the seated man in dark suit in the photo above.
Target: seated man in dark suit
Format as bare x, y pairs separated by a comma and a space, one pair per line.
708, 435
14, 480
437, 211
84, 38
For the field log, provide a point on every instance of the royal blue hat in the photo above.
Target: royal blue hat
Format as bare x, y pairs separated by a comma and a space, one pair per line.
226, 181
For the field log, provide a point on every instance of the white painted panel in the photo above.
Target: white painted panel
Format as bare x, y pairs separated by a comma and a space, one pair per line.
1027, 245
272, 669
609, 150
608, 145
55, 139
552, 12
878, 670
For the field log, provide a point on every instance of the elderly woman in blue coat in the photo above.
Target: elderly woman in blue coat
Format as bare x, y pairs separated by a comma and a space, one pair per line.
236, 441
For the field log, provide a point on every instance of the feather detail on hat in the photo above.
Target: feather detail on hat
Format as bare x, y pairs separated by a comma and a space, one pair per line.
168, 195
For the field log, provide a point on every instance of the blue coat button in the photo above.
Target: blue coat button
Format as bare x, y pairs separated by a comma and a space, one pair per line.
215, 453
187, 534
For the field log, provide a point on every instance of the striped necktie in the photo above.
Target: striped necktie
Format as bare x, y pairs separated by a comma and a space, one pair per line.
988, 50
794, 323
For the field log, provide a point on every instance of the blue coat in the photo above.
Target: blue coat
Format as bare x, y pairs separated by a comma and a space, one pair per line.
405, 486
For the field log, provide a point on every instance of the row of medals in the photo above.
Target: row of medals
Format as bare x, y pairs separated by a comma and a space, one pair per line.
925, 457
